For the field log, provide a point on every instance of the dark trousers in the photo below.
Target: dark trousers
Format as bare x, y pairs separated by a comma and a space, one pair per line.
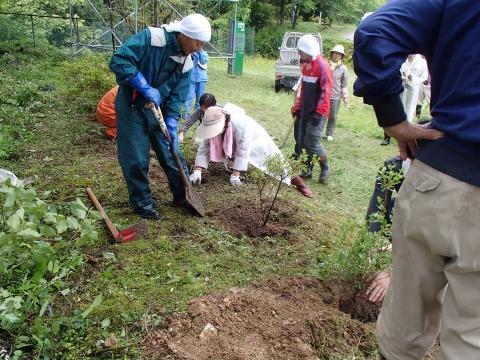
308, 136
395, 163
135, 136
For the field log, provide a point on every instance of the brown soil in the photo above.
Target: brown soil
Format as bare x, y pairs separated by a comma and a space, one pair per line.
240, 214
281, 319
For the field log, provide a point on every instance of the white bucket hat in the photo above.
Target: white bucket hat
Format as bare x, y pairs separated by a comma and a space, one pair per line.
309, 45
339, 49
212, 124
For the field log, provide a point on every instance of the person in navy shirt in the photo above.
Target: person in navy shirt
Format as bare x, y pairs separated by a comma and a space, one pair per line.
436, 249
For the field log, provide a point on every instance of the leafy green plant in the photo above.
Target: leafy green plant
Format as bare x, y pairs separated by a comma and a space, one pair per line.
388, 179
269, 182
39, 249
91, 82
355, 260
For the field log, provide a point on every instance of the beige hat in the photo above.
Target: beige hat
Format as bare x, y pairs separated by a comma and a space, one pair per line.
339, 49
212, 124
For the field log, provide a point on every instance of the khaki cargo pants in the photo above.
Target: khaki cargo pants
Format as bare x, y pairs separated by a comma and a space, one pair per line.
435, 284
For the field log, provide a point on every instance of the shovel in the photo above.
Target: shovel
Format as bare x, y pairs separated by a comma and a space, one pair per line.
285, 139
139, 229
191, 195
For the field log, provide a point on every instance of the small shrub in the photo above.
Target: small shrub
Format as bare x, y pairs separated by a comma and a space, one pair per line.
357, 253
88, 78
269, 182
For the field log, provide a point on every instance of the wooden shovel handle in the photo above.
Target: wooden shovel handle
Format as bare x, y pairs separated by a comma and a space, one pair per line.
111, 227
158, 115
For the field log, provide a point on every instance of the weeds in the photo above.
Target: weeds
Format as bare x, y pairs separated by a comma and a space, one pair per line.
355, 261
39, 249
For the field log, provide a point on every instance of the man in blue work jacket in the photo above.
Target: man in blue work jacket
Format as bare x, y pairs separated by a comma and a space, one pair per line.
436, 227
153, 67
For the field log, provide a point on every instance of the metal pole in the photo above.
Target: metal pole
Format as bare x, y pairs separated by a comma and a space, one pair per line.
135, 10
70, 10
211, 45
33, 31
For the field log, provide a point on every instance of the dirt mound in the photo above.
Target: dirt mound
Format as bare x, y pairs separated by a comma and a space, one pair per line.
240, 214
243, 218
281, 319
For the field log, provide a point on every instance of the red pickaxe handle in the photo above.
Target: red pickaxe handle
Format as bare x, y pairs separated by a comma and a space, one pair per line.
111, 227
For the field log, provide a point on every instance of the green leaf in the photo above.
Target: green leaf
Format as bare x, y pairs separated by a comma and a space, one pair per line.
10, 317
72, 223
109, 256
105, 323
47, 231
28, 234
95, 304
78, 209
65, 292
53, 266
50, 218
62, 224
44, 308
16, 219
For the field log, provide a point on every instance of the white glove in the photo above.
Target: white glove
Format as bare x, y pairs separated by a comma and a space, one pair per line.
196, 177
235, 180
180, 136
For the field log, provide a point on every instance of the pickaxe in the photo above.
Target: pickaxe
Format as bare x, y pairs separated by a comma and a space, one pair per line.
139, 229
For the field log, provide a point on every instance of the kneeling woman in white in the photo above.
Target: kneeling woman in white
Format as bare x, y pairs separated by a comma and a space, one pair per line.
229, 132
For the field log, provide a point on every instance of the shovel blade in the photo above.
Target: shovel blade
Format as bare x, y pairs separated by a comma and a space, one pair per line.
194, 200
135, 231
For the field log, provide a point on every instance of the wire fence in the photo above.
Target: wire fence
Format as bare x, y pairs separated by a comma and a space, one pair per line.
100, 30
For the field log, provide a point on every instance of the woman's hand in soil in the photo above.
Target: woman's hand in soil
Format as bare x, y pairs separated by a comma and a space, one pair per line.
378, 288
235, 180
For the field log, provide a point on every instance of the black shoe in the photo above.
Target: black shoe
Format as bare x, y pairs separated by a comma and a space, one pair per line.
385, 142
324, 173
307, 174
147, 212
184, 204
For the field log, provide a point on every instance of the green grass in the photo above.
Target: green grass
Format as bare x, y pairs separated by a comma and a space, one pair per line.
185, 256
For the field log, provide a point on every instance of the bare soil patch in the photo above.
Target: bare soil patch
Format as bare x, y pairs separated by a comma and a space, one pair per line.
236, 210
294, 318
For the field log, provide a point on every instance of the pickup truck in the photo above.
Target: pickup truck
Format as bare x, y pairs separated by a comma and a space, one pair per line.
287, 67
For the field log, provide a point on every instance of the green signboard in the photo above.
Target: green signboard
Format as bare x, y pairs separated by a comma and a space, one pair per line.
238, 49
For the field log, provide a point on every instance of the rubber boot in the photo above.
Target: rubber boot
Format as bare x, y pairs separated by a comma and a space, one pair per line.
301, 186
325, 171
309, 173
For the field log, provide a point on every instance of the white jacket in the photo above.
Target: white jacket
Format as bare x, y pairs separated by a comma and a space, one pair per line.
252, 143
418, 71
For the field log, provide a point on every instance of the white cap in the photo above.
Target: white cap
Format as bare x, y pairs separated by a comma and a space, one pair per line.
309, 45
196, 26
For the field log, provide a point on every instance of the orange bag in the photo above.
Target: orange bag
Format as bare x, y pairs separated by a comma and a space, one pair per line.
106, 114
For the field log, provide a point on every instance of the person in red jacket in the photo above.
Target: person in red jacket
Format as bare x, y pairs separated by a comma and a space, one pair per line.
106, 114
312, 108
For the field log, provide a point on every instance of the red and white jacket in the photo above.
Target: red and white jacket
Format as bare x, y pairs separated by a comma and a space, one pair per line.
316, 89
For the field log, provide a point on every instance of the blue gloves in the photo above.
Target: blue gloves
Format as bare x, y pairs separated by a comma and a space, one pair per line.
150, 93
172, 125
